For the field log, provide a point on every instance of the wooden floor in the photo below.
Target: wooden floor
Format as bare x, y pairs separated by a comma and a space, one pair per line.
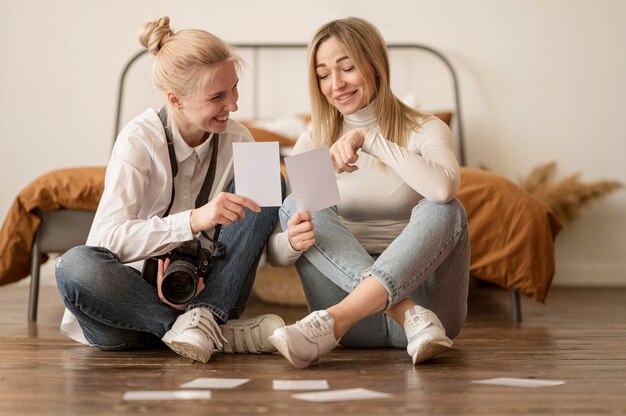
579, 336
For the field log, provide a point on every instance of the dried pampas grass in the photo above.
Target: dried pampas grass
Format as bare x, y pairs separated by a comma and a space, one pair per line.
567, 196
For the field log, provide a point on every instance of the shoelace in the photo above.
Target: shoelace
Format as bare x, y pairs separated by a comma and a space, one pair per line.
419, 321
316, 326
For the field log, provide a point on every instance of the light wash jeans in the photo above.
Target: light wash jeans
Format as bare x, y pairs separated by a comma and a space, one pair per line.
118, 310
428, 262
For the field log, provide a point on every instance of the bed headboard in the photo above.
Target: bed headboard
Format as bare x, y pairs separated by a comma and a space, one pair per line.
276, 84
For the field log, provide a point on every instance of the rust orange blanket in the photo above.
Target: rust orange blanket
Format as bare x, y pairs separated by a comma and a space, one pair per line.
511, 233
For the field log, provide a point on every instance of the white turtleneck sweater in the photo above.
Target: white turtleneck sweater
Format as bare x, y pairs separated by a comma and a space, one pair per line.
376, 201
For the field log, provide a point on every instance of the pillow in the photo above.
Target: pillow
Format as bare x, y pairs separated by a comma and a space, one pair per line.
262, 135
286, 130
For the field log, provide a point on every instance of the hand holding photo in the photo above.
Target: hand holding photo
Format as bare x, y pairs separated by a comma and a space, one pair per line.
257, 172
312, 180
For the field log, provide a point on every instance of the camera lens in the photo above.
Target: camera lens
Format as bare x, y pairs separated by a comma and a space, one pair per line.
180, 282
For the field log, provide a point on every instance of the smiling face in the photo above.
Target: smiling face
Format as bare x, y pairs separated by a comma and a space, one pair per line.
344, 86
208, 110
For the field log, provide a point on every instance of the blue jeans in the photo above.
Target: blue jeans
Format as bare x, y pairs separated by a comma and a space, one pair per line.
118, 310
428, 263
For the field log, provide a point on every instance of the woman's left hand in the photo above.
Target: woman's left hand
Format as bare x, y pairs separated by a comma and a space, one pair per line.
343, 152
162, 266
300, 231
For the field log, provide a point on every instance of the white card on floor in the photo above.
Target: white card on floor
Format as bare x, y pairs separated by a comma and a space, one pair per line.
167, 395
340, 395
214, 383
300, 385
312, 179
257, 172
519, 382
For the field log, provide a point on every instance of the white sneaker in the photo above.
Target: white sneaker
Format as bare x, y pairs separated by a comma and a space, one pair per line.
304, 342
425, 334
250, 335
195, 335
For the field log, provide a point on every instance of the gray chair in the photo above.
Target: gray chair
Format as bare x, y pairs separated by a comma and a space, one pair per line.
58, 232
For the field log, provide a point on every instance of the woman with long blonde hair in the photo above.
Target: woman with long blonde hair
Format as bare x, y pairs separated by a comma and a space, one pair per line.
389, 266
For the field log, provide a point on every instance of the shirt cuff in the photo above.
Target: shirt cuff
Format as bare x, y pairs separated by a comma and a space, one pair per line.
180, 225
280, 251
368, 142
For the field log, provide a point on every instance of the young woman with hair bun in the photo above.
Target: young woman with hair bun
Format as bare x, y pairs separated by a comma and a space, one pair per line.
169, 184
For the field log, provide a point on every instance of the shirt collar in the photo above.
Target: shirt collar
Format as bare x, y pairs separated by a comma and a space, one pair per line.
184, 151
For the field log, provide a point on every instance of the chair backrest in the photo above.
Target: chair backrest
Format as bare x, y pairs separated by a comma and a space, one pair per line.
56, 236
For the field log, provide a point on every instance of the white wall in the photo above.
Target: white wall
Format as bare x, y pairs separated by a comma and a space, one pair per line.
541, 80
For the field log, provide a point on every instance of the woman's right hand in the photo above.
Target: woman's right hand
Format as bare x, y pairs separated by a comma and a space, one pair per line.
343, 152
300, 231
224, 209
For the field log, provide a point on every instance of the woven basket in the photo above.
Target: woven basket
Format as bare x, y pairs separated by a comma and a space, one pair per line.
279, 286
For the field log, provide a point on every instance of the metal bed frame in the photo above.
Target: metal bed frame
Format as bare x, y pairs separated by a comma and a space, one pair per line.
257, 48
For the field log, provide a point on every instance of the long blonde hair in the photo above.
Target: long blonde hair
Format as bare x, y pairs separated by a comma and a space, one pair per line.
185, 60
363, 43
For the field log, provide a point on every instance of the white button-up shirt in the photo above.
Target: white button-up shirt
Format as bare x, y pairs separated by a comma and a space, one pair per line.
138, 189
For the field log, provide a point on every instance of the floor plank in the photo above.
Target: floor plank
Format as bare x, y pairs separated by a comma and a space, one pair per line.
578, 336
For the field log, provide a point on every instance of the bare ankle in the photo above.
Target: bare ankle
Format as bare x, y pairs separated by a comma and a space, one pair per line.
397, 312
339, 326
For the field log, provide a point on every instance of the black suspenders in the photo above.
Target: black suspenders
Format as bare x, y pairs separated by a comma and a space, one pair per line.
205, 190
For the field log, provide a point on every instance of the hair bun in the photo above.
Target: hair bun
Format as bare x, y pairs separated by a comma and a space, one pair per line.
155, 34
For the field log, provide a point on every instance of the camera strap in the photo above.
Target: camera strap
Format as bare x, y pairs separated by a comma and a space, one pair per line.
205, 190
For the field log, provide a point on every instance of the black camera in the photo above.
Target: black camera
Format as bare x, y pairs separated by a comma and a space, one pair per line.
188, 263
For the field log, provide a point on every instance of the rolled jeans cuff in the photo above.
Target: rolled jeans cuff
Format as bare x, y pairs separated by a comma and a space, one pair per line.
221, 315
386, 281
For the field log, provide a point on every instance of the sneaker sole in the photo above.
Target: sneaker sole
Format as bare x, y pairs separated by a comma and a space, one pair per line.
188, 351
279, 341
429, 350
